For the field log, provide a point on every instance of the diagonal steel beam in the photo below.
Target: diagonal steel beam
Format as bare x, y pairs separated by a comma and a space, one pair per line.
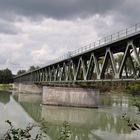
108, 55
81, 66
93, 64
129, 46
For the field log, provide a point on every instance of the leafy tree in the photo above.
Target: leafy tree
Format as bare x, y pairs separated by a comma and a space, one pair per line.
6, 76
128, 67
118, 59
21, 72
33, 68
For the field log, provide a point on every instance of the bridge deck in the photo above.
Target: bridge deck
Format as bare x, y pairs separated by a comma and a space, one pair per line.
79, 65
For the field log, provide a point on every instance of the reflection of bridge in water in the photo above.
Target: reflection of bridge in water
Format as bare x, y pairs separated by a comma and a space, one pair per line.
85, 123
94, 62
95, 65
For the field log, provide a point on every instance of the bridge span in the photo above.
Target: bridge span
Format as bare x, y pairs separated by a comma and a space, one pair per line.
113, 58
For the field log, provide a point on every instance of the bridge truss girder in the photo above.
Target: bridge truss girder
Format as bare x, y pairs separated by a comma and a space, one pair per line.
90, 66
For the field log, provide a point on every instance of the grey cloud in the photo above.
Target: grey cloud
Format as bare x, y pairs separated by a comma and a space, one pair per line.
2, 60
122, 12
8, 28
59, 9
126, 11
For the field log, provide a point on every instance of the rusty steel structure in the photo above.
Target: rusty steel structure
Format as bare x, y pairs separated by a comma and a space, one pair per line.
113, 58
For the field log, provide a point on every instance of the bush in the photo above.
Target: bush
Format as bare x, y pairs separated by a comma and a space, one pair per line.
133, 88
25, 134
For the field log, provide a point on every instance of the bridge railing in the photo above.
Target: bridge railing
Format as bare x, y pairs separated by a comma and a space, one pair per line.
108, 39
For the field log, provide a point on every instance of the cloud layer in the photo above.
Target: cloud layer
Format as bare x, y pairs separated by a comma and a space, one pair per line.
34, 32
58, 9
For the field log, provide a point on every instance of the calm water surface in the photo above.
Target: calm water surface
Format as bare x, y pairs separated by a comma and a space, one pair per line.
103, 123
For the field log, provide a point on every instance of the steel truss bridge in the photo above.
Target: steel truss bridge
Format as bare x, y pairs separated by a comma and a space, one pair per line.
113, 58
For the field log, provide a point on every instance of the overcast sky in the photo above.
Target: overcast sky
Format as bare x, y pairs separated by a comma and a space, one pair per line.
34, 32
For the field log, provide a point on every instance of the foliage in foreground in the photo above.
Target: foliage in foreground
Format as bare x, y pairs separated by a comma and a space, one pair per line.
132, 125
25, 134
136, 102
133, 88
65, 132
22, 134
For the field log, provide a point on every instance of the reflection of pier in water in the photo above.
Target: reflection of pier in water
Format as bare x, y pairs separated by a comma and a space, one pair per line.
31, 104
84, 122
4, 97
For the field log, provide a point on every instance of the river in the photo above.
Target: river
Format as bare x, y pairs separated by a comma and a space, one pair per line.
102, 123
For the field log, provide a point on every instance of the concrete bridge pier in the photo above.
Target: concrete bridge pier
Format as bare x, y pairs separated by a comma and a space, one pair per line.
27, 88
61, 96
65, 96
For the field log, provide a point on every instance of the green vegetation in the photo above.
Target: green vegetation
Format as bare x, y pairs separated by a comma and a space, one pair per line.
65, 131
131, 124
6, 76
133, 88
4, 97
21, 72
4, 87
128, 66
31, 68
136, 102
25, 134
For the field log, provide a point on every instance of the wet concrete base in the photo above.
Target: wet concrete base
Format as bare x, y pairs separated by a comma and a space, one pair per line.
65, 96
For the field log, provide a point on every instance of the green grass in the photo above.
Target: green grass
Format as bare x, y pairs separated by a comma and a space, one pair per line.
4, 87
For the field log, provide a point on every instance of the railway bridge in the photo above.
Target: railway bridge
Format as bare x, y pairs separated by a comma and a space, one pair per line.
115, 57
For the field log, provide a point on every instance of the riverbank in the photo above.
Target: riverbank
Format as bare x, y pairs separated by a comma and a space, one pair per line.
131, 87
111, 87
5, 87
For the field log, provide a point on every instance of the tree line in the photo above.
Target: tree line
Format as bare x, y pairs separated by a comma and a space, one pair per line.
31, 68
6, 76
